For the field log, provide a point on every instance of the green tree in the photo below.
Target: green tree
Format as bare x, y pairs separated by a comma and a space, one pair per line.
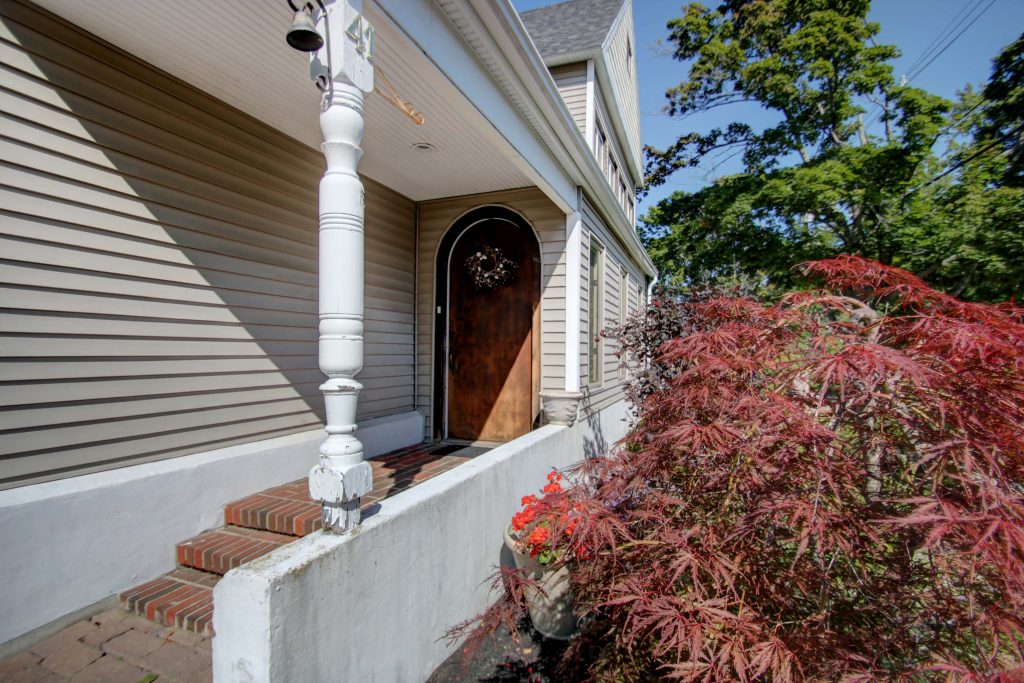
963, 229
1004, 115
817, 182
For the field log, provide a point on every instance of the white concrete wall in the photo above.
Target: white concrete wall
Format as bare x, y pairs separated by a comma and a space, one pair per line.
70, 543
374, 605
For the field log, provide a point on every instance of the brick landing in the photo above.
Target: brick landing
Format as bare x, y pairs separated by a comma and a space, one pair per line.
165, 625
287, 509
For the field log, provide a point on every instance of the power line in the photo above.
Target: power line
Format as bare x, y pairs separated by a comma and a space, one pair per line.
918, 67
963, 162
916, 73
946, 30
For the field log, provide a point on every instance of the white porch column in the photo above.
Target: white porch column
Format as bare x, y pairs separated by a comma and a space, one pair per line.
573, 248
561, 406
342, 70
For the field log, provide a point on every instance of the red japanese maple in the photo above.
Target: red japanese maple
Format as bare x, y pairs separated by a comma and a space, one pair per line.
827, 488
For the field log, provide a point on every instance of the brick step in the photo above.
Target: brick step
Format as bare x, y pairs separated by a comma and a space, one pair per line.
260, 523
285, 509
180, 599
220, 550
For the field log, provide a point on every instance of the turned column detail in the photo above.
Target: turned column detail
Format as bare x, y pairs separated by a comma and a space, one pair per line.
342, 71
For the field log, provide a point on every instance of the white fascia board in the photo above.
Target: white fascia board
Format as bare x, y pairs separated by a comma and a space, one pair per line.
614, 105
544, 106
427, 26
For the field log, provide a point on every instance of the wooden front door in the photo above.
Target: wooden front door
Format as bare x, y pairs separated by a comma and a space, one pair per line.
493, 297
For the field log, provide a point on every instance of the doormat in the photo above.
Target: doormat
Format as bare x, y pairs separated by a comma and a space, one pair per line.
446, 450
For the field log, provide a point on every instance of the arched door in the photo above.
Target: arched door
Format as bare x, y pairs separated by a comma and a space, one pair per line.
492, 262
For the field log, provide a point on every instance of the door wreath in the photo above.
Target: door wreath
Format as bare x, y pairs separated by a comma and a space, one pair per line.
489, 268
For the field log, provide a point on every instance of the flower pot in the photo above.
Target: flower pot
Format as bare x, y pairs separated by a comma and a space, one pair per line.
552, 611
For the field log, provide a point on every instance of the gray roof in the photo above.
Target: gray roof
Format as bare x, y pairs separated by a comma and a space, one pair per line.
572, 26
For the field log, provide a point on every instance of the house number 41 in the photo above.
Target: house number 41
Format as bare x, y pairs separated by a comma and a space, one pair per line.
361, 33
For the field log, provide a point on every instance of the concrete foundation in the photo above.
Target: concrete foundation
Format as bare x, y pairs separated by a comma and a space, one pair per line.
72, 543
374, 605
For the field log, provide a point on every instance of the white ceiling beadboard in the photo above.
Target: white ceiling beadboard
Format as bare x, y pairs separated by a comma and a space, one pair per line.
235, 50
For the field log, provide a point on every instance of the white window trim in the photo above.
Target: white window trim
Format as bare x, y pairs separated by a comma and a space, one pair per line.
594, 330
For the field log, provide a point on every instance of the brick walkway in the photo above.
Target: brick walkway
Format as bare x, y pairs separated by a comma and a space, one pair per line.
116, 646
113, 647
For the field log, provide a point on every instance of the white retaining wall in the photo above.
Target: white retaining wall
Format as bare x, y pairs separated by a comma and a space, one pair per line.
374, 605
70, 543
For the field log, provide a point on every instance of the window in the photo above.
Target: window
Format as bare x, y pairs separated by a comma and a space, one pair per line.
595, 311
602, 151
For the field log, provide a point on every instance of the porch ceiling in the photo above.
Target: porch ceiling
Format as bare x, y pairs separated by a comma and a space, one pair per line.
235, 51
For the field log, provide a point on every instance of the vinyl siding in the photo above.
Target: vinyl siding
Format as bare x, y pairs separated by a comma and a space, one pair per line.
549, 223
158, 280
571, 80
600, 395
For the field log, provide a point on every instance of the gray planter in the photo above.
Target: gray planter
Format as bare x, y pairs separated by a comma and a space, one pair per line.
552, 611
560, 407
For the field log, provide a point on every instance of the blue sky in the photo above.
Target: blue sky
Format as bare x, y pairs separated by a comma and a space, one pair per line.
911, 25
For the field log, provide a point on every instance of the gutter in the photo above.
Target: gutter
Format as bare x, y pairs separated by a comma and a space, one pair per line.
493, 30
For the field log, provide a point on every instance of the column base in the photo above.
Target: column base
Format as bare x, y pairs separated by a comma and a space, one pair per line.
339, 490
341, 518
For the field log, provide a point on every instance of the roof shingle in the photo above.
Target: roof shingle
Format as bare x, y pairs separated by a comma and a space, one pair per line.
572, 26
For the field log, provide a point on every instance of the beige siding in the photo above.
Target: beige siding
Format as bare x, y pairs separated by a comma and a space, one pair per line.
159, 279
571, 80
549, 223
635, 296
603, 394
622, 68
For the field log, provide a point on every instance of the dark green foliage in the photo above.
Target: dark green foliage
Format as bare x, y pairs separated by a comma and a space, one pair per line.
815, 183
1004, 117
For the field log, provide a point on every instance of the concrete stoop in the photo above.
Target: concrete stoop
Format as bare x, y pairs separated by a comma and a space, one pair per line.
261, 523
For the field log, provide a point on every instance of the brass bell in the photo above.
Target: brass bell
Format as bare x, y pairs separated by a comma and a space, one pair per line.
303, 34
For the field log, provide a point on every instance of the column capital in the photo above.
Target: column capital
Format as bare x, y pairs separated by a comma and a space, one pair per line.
347, 53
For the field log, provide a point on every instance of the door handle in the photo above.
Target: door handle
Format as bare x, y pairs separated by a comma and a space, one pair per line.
453, 361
